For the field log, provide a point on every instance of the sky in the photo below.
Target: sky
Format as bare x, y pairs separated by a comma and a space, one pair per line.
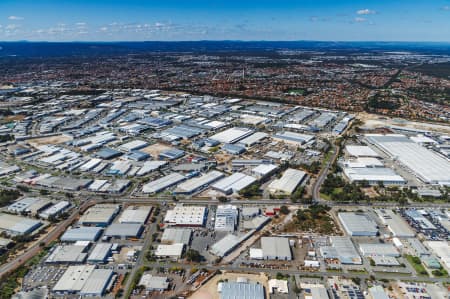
181, 20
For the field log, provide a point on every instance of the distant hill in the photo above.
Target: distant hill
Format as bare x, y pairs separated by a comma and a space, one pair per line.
64, 49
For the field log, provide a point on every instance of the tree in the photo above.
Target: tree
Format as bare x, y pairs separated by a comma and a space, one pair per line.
284, 210
193, 255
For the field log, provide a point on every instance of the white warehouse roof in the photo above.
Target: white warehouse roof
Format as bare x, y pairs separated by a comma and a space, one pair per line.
361, 151
427, 165
134, 214
232, 135
163, 183
288, 182
234, 183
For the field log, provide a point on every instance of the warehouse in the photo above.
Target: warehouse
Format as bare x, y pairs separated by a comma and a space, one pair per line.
163, 183
287, 184
135, 214
428, 166
176, 235
17, 225
233, 149
264, 170
373, 175
137, 156
91, 164
97, 283
226, 245
253, 139
379, 249
240, 290
119, 167
293, 138
226, 218
234, 183
21, 205
82, 234
174, 251
107, 153
323, 120
124, 230
358, 224
73, 280
252, 119
97, 185
55, 210
38, 206
198, 183
232, 135
359, 151
276, 248
154, 283
396, 224
67, 254
171, 154
100, 215
150, 166
186, 216
442, 250
341, 249
100, 253
133, 145
182, 131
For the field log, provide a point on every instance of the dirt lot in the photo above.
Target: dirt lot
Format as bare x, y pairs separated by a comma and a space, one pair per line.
209, 290
374, 121
49, 140
155, 149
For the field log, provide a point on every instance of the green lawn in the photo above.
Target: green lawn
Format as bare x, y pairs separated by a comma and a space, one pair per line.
417, 265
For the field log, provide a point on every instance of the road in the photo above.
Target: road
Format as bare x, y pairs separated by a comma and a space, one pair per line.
145, 248
36, 248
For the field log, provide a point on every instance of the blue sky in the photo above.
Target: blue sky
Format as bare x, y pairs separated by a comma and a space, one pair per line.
139, 20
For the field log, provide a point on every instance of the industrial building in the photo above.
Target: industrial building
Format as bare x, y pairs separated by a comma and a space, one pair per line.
163, 183
253, 139
360, 151
240, 290
197, 184
287, 184
276, 248
186, 216
314, 291
135, 214
234, 183
342, 249
264, 170
176, 235
174, 251
84, 280
442, 250
226, 218
68, 254
232, 135
133, 145
17, 225
154, 283
373, 175
358, 224
428, 166
82, 234
293, 138
124, 230
396, 224
28, 204
100, 253
100, 215
380, 249
55, 210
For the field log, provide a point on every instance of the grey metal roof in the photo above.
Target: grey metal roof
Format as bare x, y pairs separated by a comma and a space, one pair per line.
237, 290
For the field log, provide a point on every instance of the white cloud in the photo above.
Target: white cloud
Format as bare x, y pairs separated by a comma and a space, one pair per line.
81, 24
15, 18
447, 8
366, 12
12, 26
359, 19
